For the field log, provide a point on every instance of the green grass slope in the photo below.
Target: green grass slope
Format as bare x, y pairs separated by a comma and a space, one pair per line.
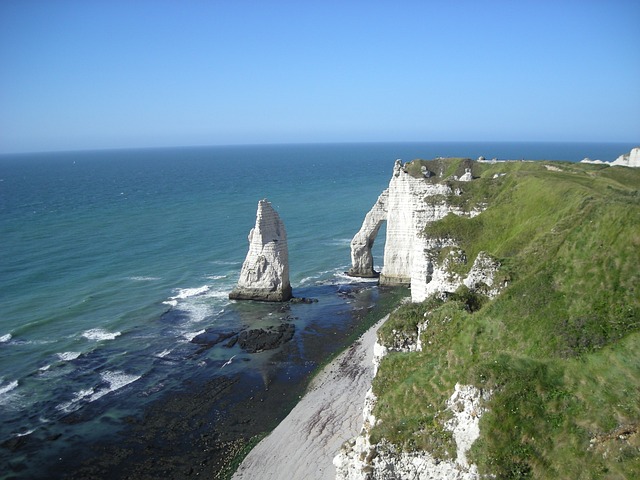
559, 348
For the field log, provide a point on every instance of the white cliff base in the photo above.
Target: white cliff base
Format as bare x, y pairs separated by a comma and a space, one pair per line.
265, 271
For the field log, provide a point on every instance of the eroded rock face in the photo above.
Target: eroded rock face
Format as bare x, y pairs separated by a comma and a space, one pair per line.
407, 215
404, 209
362, 243
359, 459
265, 271
407, 206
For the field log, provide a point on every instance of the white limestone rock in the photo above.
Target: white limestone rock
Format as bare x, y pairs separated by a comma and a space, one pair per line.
265, 271
362, 243
595, 162
359, 459
481, 277
631, 159
466, 177
407, 215
408, 205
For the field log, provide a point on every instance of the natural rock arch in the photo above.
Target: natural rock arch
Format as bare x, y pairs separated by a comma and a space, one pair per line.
362, 243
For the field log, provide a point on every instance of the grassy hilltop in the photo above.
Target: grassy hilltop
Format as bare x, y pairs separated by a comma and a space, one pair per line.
559, 348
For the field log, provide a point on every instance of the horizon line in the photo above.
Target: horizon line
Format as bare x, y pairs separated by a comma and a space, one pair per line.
272, 144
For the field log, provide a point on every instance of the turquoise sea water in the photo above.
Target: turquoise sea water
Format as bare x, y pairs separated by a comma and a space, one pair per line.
113, 261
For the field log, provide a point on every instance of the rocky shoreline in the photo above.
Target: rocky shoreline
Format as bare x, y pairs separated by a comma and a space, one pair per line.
203, 425
304, 444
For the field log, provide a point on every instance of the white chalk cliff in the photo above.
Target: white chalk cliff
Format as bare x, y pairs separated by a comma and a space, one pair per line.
407, 206
362, 243
359, 459
265, 271
631, 159
407, 215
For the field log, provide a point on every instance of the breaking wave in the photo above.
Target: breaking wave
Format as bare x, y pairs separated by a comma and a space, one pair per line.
183, 293
191, 335
99, 334
111, 381
8, 387
68, 356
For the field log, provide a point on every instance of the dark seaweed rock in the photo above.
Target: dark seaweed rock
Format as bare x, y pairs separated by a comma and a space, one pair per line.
210, 339
303, 300
259, 340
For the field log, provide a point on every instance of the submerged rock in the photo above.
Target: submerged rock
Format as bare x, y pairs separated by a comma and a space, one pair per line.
260, 339
265, 271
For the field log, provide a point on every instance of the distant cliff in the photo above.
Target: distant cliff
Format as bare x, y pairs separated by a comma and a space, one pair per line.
631, 159
519, 356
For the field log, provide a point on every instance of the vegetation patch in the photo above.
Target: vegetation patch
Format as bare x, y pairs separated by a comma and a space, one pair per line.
559, 348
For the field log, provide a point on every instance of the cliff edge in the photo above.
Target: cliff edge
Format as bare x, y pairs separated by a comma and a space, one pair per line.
519, 355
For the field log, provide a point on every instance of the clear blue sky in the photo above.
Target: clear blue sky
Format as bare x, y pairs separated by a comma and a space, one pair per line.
108, 74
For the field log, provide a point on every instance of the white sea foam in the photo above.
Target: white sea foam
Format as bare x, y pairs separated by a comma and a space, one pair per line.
191, 335
200, 303
344, 278
221, 293
163, 353
184, 293
190, 292
113, 380
6, 338
216, 277
197, 312
10, 396
4, 389
75, 403
44, 368
333, 276
144, 279
68, 356
99, 334
340, 242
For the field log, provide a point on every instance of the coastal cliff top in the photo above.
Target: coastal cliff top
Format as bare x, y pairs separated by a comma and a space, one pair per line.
557, 348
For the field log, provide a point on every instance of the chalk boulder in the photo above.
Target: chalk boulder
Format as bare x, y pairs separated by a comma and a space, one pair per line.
265, 271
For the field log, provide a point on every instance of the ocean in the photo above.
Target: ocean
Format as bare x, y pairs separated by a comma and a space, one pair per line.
115, 263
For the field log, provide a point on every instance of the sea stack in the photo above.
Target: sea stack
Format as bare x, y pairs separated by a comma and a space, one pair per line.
265, 271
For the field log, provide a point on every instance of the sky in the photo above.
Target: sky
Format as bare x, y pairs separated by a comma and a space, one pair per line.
117, 74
